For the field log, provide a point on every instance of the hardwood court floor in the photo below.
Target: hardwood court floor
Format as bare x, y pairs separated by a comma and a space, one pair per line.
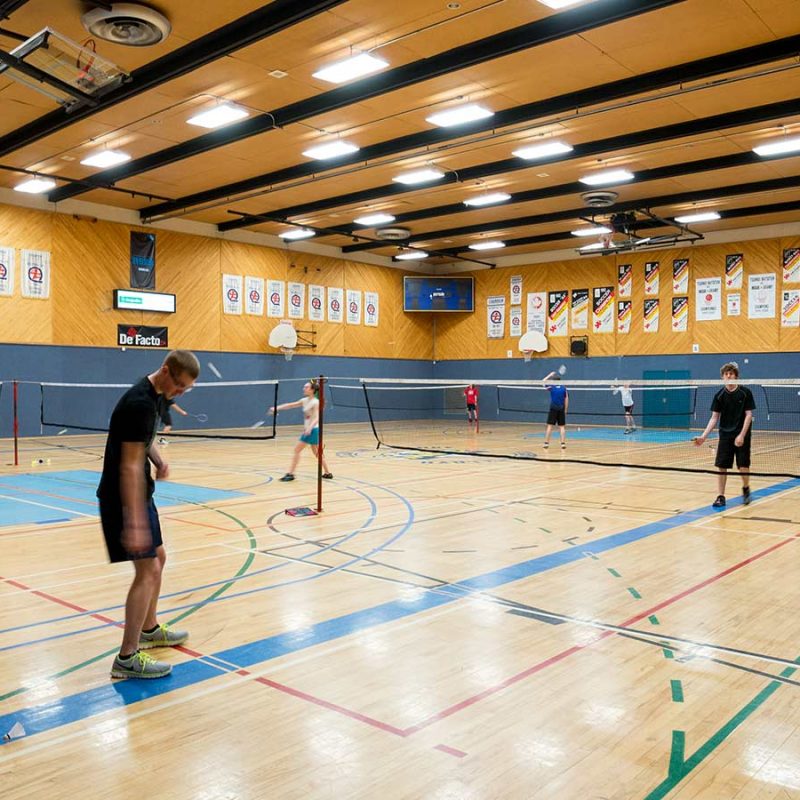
450, 627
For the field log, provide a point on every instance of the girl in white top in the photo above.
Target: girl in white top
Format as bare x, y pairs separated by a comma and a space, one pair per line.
626, 395
309, 402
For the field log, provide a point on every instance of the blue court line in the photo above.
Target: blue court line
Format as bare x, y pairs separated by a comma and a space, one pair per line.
84, 705
641, 436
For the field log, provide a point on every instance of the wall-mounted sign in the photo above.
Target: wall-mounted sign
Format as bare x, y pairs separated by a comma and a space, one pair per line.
141, 336
131, 300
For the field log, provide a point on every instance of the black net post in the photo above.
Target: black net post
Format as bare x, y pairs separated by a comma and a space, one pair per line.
371, 419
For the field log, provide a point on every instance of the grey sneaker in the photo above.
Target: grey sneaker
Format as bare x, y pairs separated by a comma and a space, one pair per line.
139, 665
746, 495
162, 636
287, 477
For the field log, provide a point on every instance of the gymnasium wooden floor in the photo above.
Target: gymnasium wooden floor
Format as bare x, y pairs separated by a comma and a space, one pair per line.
450, 627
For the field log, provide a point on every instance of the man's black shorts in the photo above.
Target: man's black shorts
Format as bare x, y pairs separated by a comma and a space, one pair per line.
111, 520
727, 450
556, 416
470, 406
628, 409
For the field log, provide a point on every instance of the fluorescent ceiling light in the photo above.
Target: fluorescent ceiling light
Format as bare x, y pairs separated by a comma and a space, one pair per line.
297, 233
560, 3
598, 246
595, 231
374, 219
610, 176
35, 185
353, 67
459, 115
703, 216
643, 241
220, 115
778, 147
487, 245
488, 199
331, 150
538, 151
106, 158
412, 256
419, 176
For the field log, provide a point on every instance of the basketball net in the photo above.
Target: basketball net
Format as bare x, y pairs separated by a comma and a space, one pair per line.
527, 355
287, 353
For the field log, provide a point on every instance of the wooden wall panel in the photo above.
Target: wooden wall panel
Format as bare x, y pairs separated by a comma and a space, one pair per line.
23, 319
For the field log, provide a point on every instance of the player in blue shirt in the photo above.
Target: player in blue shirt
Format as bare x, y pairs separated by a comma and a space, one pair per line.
557, 415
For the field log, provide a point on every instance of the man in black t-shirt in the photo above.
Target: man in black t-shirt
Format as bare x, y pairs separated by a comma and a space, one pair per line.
732, 407
129, 516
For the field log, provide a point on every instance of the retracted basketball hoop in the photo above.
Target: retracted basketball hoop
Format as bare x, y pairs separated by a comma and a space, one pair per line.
285, 338
532, 342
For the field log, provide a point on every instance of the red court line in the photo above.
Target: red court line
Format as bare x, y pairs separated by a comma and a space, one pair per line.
469, 701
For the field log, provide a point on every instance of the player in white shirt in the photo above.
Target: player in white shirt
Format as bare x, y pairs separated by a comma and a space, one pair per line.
626, 395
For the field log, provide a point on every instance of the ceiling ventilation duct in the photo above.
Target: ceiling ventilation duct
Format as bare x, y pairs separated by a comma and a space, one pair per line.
599, 199
392, 234
127, 23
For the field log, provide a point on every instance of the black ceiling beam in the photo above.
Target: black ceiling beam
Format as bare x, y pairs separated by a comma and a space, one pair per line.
657, 173
8, 7
691, 71
625, 142
584, 212
734, 213
265, 21
523, 37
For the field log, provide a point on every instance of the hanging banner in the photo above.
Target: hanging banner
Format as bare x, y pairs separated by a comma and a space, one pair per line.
734, 269
371, 309
603, 309
557, 310
624, 279
651, 277
515, 321
335, 303
316, 303
537, 313
580, 309
624, 314
353, 307
790, 309
734, 304
297, 300
791, 265
680, 314
516, 290
35, 271
680, 276
6, 271
254, 293
275, 293
761, 296
651, 316
231, 294
142, 336
495, 316
143, 260
708, 299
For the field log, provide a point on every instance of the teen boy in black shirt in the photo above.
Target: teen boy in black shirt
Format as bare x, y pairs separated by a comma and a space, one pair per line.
129, 516
732, 407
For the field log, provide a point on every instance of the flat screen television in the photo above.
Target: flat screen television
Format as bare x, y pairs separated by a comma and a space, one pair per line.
426, 293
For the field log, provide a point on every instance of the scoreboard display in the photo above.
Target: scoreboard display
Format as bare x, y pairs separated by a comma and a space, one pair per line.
425, 293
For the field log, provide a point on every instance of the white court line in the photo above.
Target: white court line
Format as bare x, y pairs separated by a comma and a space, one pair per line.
45, 505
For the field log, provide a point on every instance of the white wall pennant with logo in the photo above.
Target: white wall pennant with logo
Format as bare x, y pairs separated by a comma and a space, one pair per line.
254, 296
761, 296
371, 309
516, 290
335, 303
652, 270
708, 299
515, 321
35, 271
316, 303
6, 271
624, 314
558, 313
680, 314
580, 309
734, 269
603, 309
790, 308
791, 265
297, 300
680, 276
651, 315
275, 295
537, 312
624, 279
495, 316
232, 294
734, 304
353, 307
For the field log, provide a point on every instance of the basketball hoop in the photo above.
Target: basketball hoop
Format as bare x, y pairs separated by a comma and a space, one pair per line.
527, 354
288, 352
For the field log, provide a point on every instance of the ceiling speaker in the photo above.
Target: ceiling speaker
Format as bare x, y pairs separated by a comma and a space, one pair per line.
127, 23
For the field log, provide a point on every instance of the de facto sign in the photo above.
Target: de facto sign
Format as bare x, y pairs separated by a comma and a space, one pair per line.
141, 336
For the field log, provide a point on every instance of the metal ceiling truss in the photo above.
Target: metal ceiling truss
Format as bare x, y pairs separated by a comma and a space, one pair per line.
529, 113
521, 38
8, 7
260, 24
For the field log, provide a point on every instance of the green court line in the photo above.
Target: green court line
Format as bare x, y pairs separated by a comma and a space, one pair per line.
614, 573
189, 611
679, 767
635, 594
677, 691
653, 619
545, 530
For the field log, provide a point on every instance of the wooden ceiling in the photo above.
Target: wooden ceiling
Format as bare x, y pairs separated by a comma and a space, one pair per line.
676, 92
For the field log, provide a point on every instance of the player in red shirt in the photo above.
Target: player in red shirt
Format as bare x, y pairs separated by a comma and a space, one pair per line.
471, 395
